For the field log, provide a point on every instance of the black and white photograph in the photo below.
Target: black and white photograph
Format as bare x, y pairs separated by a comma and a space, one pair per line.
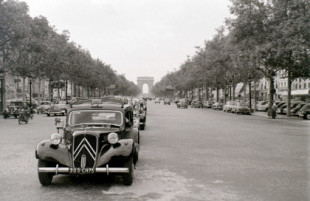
155, 100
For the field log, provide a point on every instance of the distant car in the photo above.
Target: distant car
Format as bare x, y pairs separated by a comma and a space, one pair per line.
183, 103
142, 115
157, 100
304, 112
42, 108
217, 106
228, 106
293, 105
240, 108
167, 101
176, 100
207, 104
196, 104
262, 106
13, 108
55, 110
295, 110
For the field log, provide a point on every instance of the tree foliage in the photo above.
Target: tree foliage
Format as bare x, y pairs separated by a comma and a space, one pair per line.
31, 47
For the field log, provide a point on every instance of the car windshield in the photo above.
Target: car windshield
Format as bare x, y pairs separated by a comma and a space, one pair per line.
95, 117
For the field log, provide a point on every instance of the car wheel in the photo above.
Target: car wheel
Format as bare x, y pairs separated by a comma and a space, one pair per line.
48, 114
19, 121
15, 116
128, 177
142, 127
307, 116
44, 178
5, 116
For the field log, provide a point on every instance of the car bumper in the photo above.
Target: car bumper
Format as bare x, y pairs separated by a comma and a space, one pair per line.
62, 155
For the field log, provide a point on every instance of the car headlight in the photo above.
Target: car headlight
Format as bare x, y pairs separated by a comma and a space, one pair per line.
55, 138
113, 138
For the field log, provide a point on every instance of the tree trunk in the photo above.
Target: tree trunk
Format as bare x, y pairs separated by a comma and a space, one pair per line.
233, 94
50, 90
271, 93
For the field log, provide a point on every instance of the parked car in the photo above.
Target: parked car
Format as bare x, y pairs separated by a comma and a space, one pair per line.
157, 100
207, 104
293, 105
295, 110
196, 104
55, 110
304, 112
167, 101
96, 139
228, 106
183, 103
217, 106
44, 105
142, 115
13, 108
240, 108
176, 100
262, 106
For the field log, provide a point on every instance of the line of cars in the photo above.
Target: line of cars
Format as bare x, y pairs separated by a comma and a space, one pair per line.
99, 137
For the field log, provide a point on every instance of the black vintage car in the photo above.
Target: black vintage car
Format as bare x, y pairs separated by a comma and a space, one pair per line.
13, 108
96, 139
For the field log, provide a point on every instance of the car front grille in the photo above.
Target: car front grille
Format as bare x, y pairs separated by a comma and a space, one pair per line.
85, 149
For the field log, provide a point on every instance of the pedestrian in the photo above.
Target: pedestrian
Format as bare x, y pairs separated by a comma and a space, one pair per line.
274, 111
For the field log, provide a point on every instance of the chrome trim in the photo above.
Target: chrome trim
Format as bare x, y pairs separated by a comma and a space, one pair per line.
97, 170
79, 148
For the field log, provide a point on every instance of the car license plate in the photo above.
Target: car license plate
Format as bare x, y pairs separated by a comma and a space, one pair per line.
82, 170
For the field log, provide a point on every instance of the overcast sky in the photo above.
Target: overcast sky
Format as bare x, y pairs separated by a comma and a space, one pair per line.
137, 37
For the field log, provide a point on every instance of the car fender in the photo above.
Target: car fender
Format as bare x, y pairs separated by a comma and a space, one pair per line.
124, 147
59, 154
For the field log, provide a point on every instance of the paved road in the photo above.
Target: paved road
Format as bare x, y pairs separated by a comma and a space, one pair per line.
186, 154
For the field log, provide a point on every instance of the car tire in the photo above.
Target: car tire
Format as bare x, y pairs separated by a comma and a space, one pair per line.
19, 121
142, 127
48, 114
307, 116
44, 178
128, 177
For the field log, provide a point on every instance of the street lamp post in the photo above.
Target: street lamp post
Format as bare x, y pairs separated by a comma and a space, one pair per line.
250, 98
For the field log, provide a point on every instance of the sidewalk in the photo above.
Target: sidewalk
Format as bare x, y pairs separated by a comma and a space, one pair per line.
279, 116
